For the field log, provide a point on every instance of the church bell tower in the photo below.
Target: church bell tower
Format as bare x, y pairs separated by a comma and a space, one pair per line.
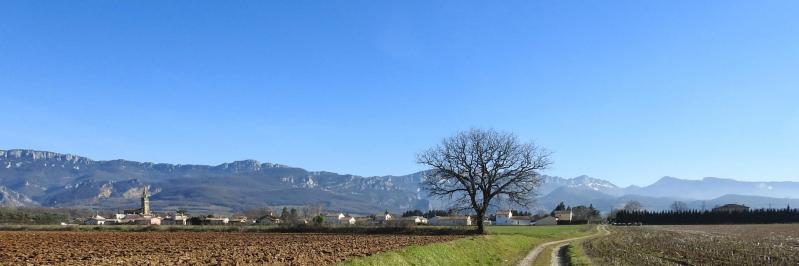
145, 202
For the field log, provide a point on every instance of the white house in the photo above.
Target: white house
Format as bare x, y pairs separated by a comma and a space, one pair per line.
450, 220
415, 219
137, 219
98, 220
268, 220
148, 220
407, 221
503, 217
177, 219
347, 220
216, 220
334, 218
520, 220
381, 218
238, 220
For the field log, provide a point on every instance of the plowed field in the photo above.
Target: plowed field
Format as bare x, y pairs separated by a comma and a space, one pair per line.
170, 248
751, 244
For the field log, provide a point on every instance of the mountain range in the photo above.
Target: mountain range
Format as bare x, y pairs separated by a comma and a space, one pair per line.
48, 179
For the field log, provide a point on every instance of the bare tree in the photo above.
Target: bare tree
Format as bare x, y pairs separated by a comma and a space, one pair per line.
633, 206
679, 206
478, 165
257, 212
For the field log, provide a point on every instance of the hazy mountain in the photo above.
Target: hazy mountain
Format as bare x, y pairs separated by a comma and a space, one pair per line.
51, 179
551, 183
604, 202
751, 201
711, 192
712, 187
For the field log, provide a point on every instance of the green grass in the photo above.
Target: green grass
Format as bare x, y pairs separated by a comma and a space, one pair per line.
504, 245
575, 254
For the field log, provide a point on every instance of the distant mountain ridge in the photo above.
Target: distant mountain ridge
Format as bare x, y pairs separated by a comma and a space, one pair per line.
64, 180
551, 183
40, 178
698, 194
713, 187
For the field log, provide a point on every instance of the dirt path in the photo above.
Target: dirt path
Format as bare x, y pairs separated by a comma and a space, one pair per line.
555, 259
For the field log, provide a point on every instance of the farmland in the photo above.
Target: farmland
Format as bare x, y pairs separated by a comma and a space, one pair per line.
697, 244
169, 248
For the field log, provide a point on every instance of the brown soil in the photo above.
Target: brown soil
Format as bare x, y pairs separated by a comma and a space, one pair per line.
171, 248
753, 244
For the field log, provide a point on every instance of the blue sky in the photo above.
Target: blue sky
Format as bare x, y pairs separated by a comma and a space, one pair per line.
624, 90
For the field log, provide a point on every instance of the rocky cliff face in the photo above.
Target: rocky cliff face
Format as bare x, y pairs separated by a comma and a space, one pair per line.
63, 180
10, 198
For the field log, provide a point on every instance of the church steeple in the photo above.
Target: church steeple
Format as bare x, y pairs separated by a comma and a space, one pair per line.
145, 202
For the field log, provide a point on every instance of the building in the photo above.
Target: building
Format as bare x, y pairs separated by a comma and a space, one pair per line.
339, 218
503, 217
238, 220
520, 220
141, 216
415, 219
407, 221
363, 220
137, 219
177, 219
268, 219
549, 220
450, 220
147, 220
127, 218
731, 208
382, 218
333, 218
216, 220
564, 216
347, 220
98, 220
145, 205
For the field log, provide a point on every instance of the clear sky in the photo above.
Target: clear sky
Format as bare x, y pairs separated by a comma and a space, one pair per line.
625, 90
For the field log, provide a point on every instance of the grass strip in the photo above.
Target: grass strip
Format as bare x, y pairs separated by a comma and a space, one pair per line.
504, 245
575, 254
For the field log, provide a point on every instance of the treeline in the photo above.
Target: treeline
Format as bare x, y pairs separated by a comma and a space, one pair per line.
39, 215
757, 216
429, 214
580, 214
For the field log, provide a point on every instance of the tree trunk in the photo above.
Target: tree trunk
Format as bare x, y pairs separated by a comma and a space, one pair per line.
480, 226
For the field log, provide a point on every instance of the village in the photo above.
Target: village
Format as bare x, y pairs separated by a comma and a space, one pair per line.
145, 216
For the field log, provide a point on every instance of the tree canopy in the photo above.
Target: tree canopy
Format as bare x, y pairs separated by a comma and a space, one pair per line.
476, 166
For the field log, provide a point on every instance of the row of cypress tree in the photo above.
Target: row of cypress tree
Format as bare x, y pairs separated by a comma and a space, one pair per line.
756, 216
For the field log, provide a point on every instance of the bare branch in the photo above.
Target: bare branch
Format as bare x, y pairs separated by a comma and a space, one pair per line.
475, 166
